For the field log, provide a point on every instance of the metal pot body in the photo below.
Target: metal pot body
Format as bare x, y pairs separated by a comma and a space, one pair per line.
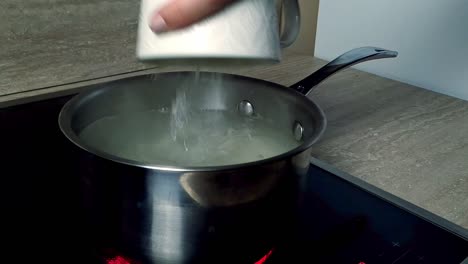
158, 216
160, 213
164, 214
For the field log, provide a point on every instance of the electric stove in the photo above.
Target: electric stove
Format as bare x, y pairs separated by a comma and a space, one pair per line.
341, 219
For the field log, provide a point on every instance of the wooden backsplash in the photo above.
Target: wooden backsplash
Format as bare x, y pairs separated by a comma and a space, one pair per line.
47, 43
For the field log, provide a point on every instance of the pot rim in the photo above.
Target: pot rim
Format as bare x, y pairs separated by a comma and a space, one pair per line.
66, 114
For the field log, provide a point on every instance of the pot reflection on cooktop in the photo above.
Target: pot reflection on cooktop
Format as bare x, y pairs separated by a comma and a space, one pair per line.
339, 220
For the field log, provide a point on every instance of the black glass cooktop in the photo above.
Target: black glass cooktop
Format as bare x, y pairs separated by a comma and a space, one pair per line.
341, 219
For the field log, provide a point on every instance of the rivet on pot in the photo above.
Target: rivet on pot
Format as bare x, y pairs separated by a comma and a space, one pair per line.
298, 131
246, 108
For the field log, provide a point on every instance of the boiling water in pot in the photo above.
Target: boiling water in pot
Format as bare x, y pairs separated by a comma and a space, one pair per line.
186, 136
210, 138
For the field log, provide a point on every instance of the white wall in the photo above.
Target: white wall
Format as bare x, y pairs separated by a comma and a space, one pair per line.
431, 37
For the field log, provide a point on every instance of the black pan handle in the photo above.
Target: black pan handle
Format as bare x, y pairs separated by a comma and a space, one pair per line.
344, 61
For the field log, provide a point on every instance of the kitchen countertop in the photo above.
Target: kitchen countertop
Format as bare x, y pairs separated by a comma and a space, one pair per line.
405, 140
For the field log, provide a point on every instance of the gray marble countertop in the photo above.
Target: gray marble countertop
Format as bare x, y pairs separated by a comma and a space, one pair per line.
405, 140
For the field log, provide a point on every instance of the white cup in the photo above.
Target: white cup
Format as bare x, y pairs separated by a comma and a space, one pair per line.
246, 29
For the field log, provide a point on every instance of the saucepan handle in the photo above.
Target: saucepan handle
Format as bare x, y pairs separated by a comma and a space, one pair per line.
344, 61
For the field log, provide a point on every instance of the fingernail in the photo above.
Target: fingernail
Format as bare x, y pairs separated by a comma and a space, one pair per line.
158, 24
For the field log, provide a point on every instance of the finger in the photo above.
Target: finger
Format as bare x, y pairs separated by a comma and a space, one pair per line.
181, 13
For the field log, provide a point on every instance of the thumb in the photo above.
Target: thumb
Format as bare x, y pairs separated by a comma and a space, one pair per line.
181, 13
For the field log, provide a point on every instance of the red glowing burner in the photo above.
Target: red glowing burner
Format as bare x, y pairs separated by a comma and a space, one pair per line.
114, 257
265, 258
118, 260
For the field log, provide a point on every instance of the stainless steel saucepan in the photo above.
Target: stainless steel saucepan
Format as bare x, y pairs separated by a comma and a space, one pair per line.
161, 213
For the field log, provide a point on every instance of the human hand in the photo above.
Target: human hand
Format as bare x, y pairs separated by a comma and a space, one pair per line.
181, 13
